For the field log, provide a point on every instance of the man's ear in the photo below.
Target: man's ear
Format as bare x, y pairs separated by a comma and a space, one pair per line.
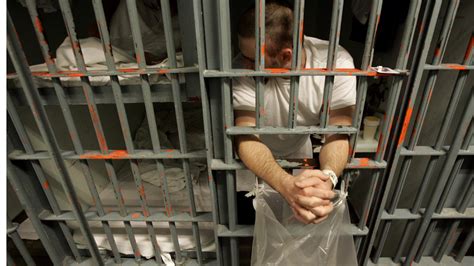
285, 57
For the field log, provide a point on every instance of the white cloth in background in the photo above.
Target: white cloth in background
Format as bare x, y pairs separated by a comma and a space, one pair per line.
163, 237
93, 53
277, 96
94, 59
151, 26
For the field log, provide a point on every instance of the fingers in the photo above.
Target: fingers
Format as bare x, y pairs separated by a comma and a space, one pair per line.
313, 172
320, 219
318, 192
322, 211
310, 178
303, 215
311, 202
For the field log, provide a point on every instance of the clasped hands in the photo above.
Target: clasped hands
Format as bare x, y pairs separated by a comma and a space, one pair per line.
309, 194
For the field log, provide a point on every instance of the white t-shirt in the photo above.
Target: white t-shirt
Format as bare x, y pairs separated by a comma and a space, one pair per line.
310, 98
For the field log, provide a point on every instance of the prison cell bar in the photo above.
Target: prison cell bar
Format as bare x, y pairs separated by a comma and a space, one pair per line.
429, 85
95, 118
39, 173
336, 19
170, 46
168, 154
225, 65
39, 113
465, 245
397, 82
456, 169
360, 101
285, 72
431, 165
424, 52
20, 245
397, 124
71, 126
116, 72
140, 57
462, 204
105, 39
454, 99
198, 27
260, 50
466, 198
31, 206
296, 61
387, 121
444, 175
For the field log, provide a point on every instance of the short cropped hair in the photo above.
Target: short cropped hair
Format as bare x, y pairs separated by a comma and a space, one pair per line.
278, 26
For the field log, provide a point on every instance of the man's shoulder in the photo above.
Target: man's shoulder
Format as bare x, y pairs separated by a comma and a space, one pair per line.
319, 49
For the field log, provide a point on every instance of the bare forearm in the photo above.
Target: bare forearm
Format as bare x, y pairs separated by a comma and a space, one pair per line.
333, 155
259, 159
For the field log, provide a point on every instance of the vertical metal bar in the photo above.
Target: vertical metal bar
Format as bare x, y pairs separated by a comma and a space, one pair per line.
298, 34
465, 245
454, 99
170, 46
381, 242
442, 43
40, 174
457, 166
403, 242
405, 46
444, 174
102, 25
70, 124
260, 61
422, 26
33, 98
140, 56
462, 206
198, 24
93, 111
27, 203
225, 64
366, 62
20, 245
415, 86
425, 241
334, 33
448, 236
438, 57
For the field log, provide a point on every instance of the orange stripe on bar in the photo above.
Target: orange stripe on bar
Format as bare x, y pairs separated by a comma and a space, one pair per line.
406, 122
118, 154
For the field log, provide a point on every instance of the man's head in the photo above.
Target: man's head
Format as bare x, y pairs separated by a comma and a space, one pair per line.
278, 35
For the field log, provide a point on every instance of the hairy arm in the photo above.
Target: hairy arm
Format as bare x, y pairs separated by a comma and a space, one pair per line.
333, 155
257, 156
301, 192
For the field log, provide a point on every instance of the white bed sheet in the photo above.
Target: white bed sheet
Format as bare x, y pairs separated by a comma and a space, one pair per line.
154, 195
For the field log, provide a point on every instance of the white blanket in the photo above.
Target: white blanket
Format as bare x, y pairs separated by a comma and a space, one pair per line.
94, 59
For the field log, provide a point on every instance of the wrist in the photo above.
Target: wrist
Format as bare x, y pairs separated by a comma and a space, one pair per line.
283, 182
332, 176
